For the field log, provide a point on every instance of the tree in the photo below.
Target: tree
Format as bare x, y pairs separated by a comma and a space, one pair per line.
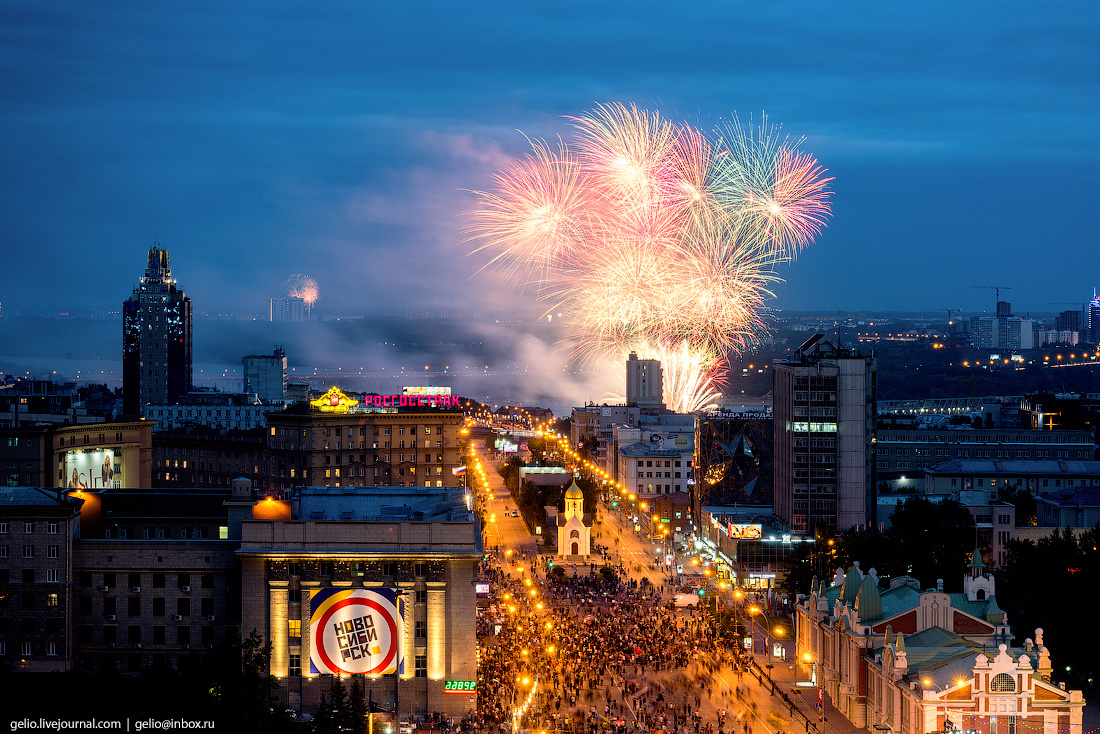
1024, 501
934, 539
357, 706
258, 686
1067, 569
324, 721
338, 700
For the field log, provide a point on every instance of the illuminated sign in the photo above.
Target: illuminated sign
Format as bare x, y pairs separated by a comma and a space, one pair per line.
412, 401
742, 531
460, 686
334, 401
480, 588
426, 390
355, 631
761, 575
96, 469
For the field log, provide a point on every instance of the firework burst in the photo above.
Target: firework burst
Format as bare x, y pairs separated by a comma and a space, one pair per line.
655, 237
304, 287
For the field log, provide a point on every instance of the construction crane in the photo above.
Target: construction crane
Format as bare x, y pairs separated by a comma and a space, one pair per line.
997, 289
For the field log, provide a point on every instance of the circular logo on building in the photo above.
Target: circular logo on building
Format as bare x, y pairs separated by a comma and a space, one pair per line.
354, 631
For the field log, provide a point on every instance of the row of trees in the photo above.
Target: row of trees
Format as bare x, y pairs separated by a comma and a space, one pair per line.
230, 686
926, 540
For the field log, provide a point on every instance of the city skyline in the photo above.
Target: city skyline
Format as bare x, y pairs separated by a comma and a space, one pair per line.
256, 142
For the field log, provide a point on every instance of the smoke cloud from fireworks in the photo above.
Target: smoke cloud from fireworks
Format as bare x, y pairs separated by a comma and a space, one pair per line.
655, 237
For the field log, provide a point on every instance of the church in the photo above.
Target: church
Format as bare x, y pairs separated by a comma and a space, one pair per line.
574, 526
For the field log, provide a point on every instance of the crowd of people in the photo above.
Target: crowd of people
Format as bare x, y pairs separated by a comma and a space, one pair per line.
593, 651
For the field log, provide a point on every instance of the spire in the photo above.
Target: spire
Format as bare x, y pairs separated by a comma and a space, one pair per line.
977, 565
899, 646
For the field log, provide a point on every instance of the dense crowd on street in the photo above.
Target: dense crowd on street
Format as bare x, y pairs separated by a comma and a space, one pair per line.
604, 653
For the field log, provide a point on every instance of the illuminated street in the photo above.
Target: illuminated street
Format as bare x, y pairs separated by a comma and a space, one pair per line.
585, 653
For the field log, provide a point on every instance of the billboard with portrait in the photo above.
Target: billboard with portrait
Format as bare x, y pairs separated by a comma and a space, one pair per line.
355, 631
92, 469
671, 441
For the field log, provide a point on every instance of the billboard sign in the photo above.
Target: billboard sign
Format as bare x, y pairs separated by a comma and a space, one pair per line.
355, 631
670, 441
97, 469
744, 531
426, 390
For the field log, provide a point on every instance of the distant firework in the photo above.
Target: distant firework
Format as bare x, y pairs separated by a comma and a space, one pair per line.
304, 287
655, 237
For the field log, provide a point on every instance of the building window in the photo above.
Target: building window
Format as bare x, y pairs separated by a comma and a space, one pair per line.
53, 575
28, 528
295, 665
51, 600
28, 551
421, 666
51, 528
421, 630
421, 596
53, 551
1002, 683
295, 627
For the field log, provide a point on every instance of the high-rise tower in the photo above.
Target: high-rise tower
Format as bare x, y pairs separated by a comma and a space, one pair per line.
156, 339
824, 423
644, 382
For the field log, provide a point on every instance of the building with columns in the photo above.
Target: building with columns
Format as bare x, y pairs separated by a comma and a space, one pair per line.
420, 545
913, 662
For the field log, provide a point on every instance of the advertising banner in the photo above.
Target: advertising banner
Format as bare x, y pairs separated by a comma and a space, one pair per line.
355, 631
96, 469
744, 531
670, 441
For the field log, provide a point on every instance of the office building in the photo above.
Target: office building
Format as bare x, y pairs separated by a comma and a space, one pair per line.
224, 411
265, 375
824, 420
339, 440
733, 458
644, 382
287, 308
1094, 318
156, 339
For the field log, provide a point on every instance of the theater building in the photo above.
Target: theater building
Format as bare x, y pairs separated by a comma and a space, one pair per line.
912, 662
404, 557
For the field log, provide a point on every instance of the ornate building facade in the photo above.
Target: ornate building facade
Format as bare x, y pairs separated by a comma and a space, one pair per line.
913, 662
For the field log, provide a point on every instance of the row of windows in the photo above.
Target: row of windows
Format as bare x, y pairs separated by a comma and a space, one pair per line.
29, 576
183, 635
183, 580
52, 528
159, 606
29, 551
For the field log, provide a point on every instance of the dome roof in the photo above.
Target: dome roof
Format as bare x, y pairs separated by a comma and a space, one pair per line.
574, 492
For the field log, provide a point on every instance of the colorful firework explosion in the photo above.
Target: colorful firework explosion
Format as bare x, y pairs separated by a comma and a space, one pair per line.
655, 237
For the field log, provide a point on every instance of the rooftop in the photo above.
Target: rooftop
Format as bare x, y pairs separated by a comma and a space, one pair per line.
1037, 467
381, 503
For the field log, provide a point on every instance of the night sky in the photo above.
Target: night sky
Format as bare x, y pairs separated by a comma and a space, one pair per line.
254, 140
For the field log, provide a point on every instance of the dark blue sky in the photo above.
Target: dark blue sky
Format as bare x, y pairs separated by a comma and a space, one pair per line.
259, 139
